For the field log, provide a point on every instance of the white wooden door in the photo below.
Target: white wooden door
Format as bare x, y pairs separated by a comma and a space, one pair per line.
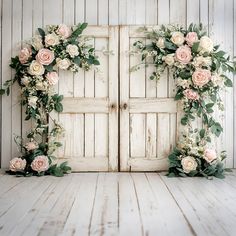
90, 115
148, 112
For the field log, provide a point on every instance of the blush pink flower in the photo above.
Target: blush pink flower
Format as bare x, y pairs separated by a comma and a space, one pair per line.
24, 55
40, 164
191, 95
183, 54
52, 78
17, 164
191, 38
31, 146
45, 56
201, 77
209, 155
64, 31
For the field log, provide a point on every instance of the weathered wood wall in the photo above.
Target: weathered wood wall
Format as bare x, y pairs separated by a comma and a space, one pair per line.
20, 19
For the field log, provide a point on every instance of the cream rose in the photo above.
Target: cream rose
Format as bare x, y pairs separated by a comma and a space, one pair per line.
37, 43
201, 77
40, 164
25, 80
72, 50
160, 42
191, 38
169, 59
31, 146
64, 31
32, 101
217, 80
45, 56
189, 164
183, 54
52, 78
17, 164
36, 68
191, 95
51, 39
210, 155
206, 44
24, 55
63, 63
177, 38
202, 61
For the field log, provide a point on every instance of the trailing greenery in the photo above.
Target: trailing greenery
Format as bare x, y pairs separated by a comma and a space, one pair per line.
200, 70
58, 47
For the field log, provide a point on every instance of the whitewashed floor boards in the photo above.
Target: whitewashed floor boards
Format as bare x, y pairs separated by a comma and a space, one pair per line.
129, 204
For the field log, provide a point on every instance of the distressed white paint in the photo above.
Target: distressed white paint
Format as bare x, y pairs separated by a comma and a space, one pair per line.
20, 21
117, 204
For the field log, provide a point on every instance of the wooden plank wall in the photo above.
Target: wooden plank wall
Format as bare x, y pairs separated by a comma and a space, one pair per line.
20, 18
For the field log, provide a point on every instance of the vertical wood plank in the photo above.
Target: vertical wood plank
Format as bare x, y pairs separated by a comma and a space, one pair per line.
163, 12
178, 16
6, 136
16, 92
103, 12
113, 96
113, 12
137, 135
124, 97
91, 18
27, 30
234, 86
193, 7
140, 12
123, 12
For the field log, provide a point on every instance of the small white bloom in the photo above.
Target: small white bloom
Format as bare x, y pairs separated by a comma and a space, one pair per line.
160, 42
72, 50
32, 101
217, 80
25, 80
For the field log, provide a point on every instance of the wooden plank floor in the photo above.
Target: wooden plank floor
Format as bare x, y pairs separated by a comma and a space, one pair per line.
129, 204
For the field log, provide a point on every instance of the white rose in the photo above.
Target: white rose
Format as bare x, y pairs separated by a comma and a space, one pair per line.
51, 39
169, 59
160, 42
177, 38
36, 68
202, 61
32, 101
25, 80
72, 50
206, 44
37, 42
189, 164
63, 63
217, 80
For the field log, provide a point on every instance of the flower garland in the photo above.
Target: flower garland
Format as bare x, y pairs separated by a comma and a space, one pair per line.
59, 47
200, 71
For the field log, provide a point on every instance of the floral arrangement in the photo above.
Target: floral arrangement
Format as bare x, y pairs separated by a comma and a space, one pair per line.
59, 47
200, 71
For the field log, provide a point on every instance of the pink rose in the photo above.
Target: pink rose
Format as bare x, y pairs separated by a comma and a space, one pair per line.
17, 164
190, 94
45, 56
52, 78
201, 77
183, 54
209, 155
40, 164
191, 38
24, 55
31, 146
64, 31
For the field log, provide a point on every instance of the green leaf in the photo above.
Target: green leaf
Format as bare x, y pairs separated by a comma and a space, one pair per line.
184, 120
2, 91
49, 67
58, 107
79, 30
202, 133
228, 83
96, 62
170, 45
195, 47
76, 60
210, 105
41, 32
220, 54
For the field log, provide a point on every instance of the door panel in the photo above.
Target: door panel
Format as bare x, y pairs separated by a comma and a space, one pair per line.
90, 114
148, 112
